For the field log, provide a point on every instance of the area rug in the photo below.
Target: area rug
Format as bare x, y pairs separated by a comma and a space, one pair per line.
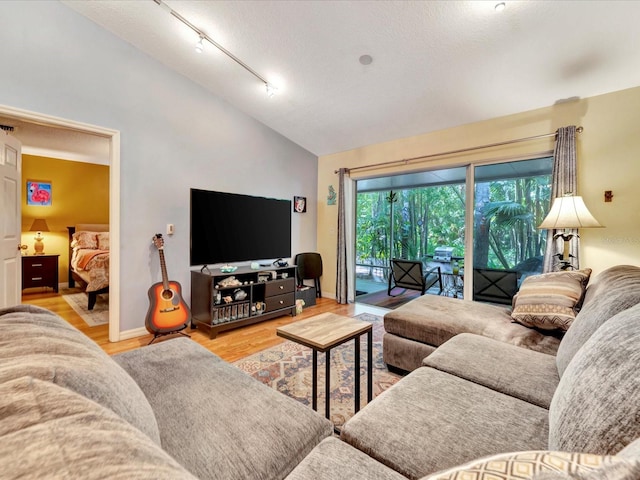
381, 299
100, 313
287, 368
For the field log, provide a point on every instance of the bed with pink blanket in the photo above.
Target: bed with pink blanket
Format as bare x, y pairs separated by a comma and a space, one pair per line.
89, 259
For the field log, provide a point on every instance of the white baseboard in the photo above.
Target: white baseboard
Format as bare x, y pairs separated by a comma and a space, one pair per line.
136, 332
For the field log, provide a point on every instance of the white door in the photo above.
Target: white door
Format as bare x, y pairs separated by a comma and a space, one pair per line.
10, 220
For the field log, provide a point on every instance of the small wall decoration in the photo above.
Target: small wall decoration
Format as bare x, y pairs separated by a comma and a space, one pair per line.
39, 193
299, 204
331, 198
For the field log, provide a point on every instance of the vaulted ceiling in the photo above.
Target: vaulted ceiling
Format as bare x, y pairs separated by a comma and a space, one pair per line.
435, 64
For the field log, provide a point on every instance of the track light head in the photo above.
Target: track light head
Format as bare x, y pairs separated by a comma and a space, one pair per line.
199, 45
271, 90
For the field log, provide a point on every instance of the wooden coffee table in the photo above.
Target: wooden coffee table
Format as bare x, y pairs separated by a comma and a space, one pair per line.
323, 332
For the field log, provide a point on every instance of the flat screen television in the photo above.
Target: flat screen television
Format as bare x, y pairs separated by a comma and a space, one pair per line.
230, 227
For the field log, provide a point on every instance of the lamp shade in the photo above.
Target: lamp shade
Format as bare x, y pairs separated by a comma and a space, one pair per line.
39, 225
569, 212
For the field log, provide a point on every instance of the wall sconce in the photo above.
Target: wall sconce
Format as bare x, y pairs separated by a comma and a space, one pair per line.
39, 225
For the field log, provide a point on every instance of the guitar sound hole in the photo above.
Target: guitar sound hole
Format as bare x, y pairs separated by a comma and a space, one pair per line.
167, 294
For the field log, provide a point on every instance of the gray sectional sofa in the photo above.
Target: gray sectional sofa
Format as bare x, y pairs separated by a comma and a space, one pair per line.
169, 410
477, 408
476, 396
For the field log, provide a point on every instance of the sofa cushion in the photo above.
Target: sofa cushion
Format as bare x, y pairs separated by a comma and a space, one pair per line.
403, 353
434, 319
38, 343
431, 420
523, 466
596, 406
609, 293
550, 301
333, 458
216, 420
518, 372
47, 431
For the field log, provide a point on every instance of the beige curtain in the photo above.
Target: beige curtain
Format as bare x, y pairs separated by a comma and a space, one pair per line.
563, 180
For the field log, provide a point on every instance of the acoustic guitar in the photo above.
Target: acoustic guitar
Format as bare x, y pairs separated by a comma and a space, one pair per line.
168, 312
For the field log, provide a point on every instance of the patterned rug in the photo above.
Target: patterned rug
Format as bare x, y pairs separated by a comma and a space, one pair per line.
100, 313
287, 368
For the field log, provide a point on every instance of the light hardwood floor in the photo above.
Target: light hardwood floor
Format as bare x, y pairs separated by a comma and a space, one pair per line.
231, 345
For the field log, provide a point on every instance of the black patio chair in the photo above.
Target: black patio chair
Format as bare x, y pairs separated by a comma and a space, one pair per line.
495, 286
411, 275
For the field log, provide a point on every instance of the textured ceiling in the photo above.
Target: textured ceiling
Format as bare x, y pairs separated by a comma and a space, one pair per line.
436, 64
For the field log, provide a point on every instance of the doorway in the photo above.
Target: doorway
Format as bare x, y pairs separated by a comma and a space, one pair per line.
54, 125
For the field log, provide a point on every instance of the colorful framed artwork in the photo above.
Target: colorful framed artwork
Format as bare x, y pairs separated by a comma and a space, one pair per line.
299, 204
39, 193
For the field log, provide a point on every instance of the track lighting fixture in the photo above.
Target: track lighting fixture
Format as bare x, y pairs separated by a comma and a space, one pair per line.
199, 46
271, 89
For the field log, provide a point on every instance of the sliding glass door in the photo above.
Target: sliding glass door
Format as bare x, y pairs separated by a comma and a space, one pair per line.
421, 216
511, 199
407, 216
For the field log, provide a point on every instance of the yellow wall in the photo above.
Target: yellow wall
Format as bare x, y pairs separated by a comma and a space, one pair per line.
608, 159
80, 194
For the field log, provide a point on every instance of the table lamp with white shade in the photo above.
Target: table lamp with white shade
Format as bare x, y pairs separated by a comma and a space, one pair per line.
568, 212
39, 225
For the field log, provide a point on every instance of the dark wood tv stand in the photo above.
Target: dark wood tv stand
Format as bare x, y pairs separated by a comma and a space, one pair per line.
270, 293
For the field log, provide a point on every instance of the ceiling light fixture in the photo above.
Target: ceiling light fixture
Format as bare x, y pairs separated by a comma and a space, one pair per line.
500, 6
199, 46
271, 89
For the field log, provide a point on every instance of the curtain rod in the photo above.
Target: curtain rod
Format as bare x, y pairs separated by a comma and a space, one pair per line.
462, 150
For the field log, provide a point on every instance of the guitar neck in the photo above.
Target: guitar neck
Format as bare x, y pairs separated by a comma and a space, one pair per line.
163, 267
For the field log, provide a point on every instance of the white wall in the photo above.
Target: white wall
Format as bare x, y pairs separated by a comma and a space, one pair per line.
174, 136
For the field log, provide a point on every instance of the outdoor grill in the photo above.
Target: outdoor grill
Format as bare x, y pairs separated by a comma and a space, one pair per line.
442, 254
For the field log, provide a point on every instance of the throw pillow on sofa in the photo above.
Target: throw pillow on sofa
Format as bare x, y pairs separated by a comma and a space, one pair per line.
524, 465
550, 301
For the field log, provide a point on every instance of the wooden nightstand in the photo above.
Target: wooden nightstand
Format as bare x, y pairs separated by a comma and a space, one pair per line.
40, 271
